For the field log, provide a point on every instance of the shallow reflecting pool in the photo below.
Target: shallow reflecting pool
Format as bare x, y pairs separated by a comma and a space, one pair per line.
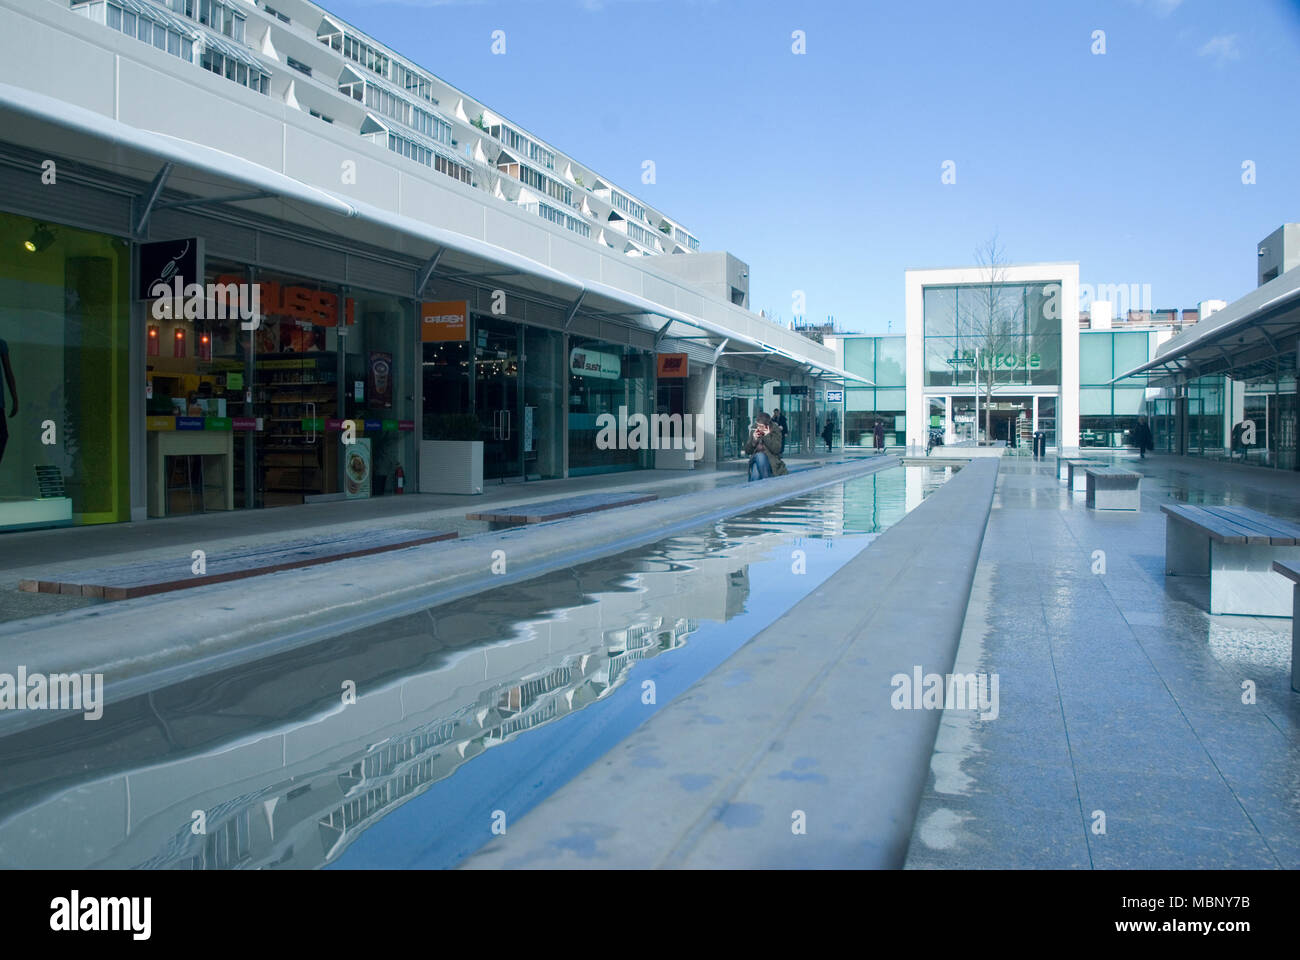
463, 715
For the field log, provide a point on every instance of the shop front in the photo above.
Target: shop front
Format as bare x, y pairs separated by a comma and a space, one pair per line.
614, 379
65, 305
493, 389
311, 398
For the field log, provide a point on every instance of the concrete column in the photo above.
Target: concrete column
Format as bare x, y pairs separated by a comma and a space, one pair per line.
916, 407
137, 442
701, 401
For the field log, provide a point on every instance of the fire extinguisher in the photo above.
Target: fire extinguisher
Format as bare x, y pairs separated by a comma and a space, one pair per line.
400, 476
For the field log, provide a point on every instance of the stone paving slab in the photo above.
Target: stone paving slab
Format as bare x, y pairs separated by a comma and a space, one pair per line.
1119, 671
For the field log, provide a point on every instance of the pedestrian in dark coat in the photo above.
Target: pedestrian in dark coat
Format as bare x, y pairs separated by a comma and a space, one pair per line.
878, 434
1142, 438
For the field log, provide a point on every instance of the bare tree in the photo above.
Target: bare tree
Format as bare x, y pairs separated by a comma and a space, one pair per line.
996, 322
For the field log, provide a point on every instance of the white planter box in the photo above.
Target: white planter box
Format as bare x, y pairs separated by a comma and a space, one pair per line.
451, 466
673, 460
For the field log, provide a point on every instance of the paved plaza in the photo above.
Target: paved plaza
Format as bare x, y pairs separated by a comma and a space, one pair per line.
1121, 698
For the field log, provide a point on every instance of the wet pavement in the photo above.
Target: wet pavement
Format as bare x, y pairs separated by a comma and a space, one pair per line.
41, 553
482, 704
1127, 735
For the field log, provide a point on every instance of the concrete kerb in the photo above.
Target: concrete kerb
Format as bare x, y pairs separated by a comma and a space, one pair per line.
149, 643
816, 692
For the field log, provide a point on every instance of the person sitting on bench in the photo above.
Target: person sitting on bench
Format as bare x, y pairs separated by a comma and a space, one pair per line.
764, 450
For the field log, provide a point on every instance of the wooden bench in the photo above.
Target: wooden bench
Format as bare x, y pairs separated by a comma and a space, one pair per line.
1112, 488
1292, 572
560, 509
1074, 467
161, 576
1235, 547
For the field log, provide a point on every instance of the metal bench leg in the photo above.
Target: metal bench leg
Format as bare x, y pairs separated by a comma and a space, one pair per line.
1187, 552
1295, 638
1242, 581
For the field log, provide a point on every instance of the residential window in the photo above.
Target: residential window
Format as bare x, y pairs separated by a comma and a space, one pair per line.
627, 205
276, 13
452, 169
320, 116
298, 65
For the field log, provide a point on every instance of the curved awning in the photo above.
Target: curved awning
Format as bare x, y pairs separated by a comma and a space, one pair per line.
1248, 337
185, 153
222, 170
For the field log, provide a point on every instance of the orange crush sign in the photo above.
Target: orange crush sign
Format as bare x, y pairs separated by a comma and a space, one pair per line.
318, 307
672, 365
444, 320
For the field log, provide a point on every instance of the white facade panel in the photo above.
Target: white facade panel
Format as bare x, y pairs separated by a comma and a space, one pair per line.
1067, 304
205, 108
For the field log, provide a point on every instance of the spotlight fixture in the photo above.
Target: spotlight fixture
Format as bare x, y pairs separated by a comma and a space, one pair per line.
40, 239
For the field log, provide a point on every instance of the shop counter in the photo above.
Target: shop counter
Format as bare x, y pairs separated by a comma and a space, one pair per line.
215, 485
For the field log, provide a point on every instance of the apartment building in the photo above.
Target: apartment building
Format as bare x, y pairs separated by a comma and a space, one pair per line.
421, 274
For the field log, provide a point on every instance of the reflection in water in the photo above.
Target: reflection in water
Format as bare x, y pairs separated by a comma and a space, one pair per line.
281, 772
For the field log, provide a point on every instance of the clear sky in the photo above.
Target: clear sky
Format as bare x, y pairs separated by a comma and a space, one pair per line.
823, 170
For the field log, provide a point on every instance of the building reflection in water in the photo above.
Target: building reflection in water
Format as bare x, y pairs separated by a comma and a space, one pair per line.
286, 775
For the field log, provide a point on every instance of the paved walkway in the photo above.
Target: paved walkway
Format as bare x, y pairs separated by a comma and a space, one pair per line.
37, 553
1120, 697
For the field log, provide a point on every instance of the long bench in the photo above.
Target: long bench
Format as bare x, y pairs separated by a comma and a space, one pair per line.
125, 581
1073, 468
560, 509
1292, 572
1235, 547
1112, 488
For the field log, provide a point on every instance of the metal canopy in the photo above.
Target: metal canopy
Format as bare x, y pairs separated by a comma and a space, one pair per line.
1253, 337
207, 173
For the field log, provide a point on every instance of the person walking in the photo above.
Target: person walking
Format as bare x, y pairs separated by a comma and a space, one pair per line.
1142, 437
764, 450
778, 418
828, 431
878, 435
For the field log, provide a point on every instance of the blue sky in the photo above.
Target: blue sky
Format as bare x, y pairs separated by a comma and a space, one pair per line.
823, 170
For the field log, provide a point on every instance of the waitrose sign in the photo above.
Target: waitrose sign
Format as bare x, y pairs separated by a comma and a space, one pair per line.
1002, 361
593, 363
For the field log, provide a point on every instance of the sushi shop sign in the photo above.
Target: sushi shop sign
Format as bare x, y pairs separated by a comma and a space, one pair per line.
594, 363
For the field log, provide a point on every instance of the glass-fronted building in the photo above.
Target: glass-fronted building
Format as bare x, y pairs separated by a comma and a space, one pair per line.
882, 360
1108, 412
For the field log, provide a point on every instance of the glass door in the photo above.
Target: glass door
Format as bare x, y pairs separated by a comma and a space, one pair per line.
498, 398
